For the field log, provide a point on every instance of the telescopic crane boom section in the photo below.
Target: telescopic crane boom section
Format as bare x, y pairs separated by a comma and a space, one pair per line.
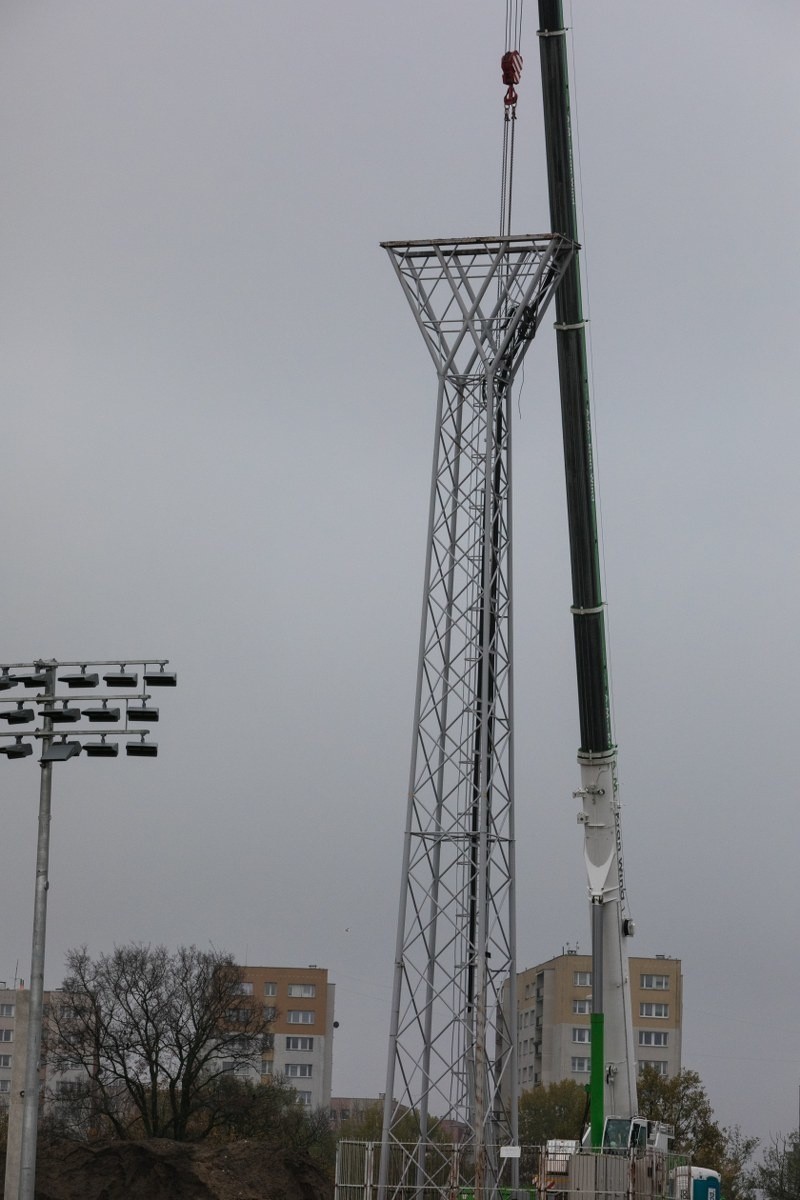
613, 1080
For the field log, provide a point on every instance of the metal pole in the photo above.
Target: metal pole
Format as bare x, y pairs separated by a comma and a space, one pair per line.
597, 1025
30, 1109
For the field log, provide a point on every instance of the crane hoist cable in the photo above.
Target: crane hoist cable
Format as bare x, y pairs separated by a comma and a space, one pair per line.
511, 66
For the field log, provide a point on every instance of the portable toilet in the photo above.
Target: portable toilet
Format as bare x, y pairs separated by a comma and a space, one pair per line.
705, 1184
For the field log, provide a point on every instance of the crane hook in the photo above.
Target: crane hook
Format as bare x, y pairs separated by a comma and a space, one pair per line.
511, 65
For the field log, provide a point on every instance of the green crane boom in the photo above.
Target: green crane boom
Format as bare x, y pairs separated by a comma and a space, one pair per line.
613, 1082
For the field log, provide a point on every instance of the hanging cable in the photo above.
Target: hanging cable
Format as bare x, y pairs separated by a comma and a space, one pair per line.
511, 65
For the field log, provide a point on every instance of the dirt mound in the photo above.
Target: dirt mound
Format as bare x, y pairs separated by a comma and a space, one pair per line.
162, 1170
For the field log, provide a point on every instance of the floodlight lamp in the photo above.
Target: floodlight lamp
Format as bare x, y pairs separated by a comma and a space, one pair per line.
60, 751
18, 715
160, 678
101, 749
101, 714
63, 715
122, 677
142, 749
37, 680
144, 712
81, 679
8, 681
17, 749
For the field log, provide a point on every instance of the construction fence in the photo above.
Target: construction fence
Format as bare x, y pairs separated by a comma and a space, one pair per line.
447, 1172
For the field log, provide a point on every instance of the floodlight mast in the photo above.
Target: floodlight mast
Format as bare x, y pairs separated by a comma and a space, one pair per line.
20, 1175
613, 1078
452, 1043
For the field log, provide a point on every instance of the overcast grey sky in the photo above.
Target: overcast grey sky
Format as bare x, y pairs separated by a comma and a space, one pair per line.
217, 417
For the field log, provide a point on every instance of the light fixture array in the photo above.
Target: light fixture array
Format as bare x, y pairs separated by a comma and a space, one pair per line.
118, 705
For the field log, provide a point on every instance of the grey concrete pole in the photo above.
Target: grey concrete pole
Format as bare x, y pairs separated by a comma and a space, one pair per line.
30, 1108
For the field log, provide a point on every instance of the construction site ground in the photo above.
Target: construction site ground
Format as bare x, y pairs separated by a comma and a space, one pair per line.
163, 1170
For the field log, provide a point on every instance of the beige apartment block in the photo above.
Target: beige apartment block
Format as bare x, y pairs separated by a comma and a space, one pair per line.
56, 1084
299, 1003
554, 1009
13, 1036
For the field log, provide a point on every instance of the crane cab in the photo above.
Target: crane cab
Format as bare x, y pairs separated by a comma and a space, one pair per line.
623, 1134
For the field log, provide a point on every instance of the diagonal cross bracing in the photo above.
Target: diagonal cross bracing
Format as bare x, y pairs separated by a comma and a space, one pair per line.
478, 303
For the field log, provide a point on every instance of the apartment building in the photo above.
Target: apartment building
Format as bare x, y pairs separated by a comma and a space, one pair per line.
13, 1036
553, 1017
356, 1108
55, 1083
299, 1002
9, 1040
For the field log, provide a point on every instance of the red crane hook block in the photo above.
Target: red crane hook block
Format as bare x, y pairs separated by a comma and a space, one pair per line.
511, 63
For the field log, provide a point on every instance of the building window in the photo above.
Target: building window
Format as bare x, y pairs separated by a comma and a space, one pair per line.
300, 1016
266, 1066
66, 1087
270, 1012
653, 1037
305, 1098
6, 1035
581, 1066
69, 1064
5, 1060
299, 1043
582, 978
581, 1033
5, 1085
245, 989
297, 1071
648, 1008
305, 990
580, 1008
658, 983
239, 1016
242, 1068
6, 1010
270, 989
659, 1066
242, 1045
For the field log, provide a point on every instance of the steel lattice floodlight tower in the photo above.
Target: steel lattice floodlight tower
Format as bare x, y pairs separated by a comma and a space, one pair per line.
478, 303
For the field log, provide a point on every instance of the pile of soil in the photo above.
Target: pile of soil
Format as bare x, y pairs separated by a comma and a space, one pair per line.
163, 1170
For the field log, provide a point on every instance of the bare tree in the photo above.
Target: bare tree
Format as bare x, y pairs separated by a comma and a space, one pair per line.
156, 1032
